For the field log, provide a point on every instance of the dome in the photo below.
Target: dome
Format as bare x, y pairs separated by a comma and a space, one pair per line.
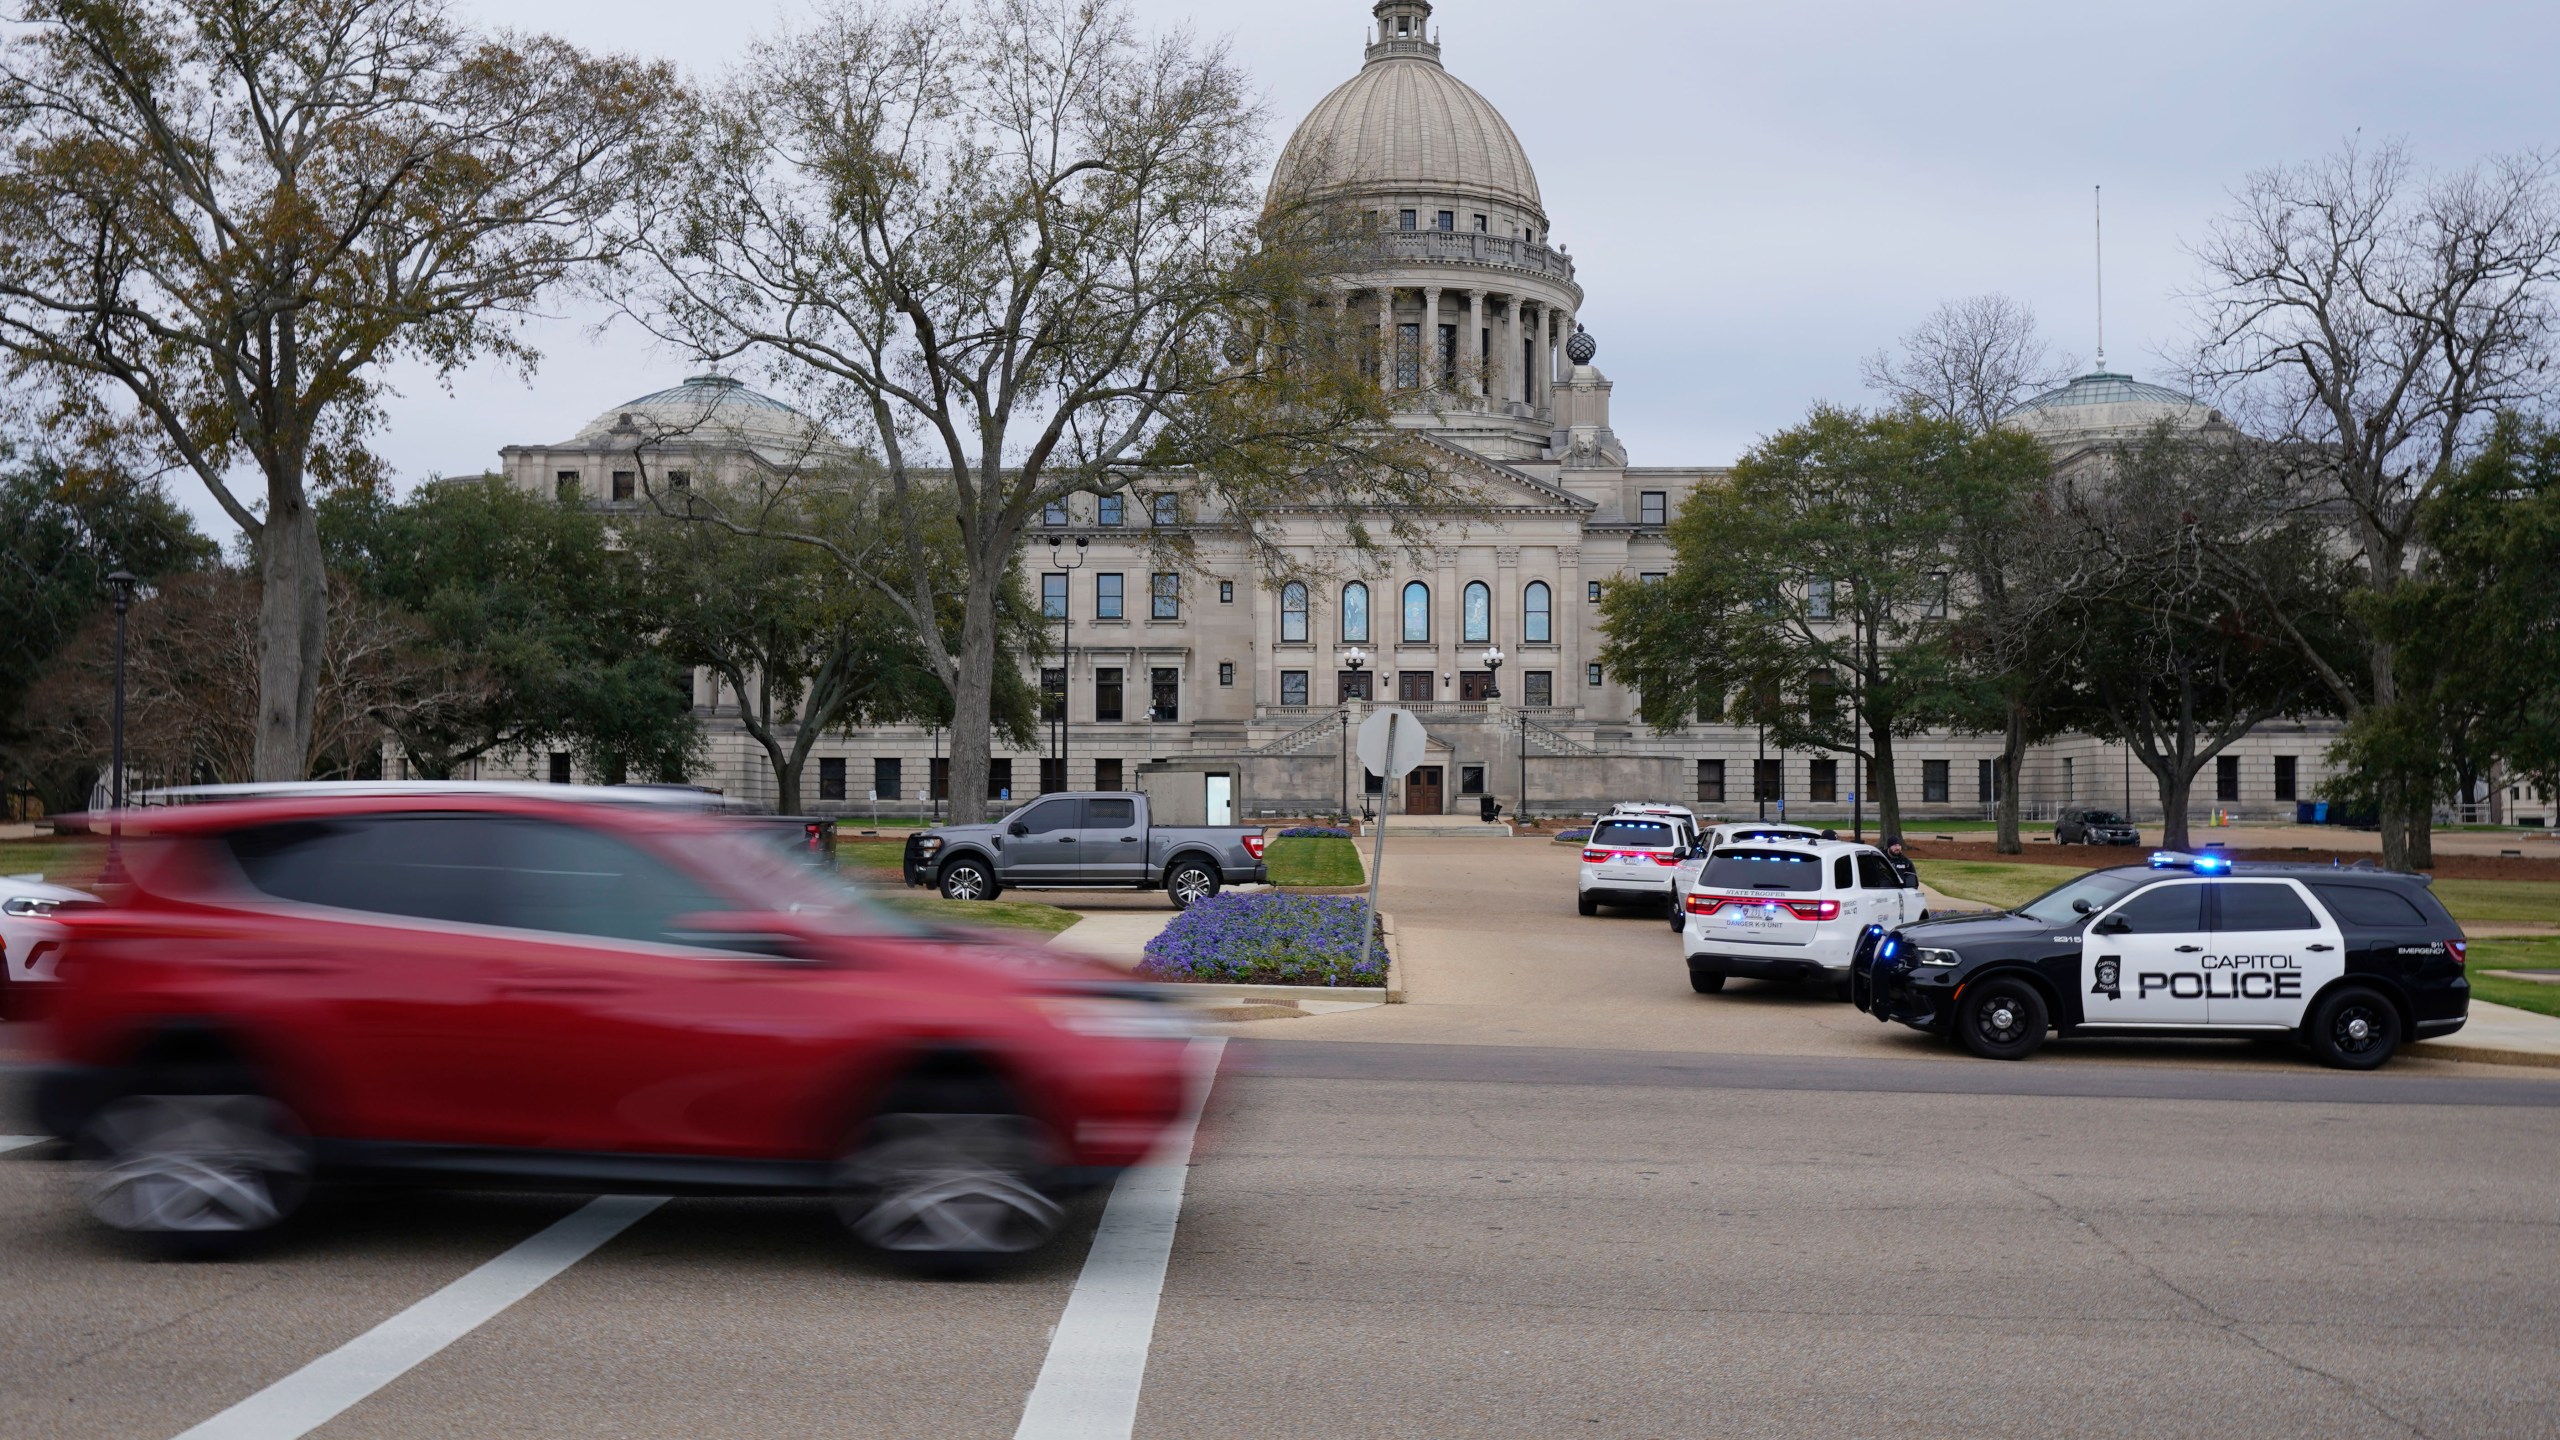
712, 410
2105, 403
1404, 124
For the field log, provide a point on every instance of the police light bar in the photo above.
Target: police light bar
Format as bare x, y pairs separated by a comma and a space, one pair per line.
2201, 864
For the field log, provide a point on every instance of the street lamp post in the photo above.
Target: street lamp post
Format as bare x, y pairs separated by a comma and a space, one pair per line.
123, 581
1058, 732
1492, 661
1355, 660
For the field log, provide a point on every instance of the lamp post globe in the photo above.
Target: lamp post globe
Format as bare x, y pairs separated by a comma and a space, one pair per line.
1492, 659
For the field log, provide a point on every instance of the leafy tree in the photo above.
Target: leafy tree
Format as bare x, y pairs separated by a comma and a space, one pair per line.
219, 221
535, 623
1816, 587
1019, 253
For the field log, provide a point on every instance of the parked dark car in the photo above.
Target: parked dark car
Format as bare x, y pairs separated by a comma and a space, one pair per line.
2094, 827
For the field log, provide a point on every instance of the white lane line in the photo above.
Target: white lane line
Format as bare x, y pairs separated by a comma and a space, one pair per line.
19, 1142
318, 1392
1088, 1387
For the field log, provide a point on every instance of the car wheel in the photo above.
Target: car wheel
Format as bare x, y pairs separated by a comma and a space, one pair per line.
2353, 1029
1190, 883
2002, 1019
204, 1172
1679, 920
1586, 904
967, 880
1705, 982
945, 1177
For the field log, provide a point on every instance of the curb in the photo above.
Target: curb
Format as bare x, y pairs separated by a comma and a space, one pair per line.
2483, 1054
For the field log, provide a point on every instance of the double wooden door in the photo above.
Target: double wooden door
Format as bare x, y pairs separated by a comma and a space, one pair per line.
1422, 790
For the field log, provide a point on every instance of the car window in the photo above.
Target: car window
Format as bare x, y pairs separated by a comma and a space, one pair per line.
2369, 905
1761, 870
1049, 816
426, 867
2263, 905
1844, 873
1877, 873
2100, 888
571, 880
1652, 833
2166, 910
1110, 814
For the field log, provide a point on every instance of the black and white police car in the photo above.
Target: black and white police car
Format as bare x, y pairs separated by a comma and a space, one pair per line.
2350, 962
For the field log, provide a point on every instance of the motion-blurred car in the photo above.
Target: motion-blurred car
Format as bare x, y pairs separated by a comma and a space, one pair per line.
2094, 827
30, 941
595, 992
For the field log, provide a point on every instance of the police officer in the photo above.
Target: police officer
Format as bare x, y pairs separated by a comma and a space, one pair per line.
1902, 865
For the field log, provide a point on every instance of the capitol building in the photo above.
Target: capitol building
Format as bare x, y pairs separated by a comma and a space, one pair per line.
1218, 683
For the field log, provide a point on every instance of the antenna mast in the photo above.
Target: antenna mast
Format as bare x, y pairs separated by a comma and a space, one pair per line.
2098, 228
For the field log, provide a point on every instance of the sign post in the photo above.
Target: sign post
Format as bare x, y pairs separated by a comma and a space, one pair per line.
1390, 744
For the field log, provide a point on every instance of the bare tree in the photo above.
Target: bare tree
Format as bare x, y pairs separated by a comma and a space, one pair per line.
1019, 253
217, 221
2377, 319
1970, 362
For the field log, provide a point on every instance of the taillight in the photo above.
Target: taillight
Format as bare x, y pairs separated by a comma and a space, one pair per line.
1666, 858
2460, 950
817, 837
1705, 904
1594, 857
1813, 909
1253, 846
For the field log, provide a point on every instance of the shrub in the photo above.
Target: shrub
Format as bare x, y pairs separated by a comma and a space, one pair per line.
1314, 832
1267, 939
1583, 833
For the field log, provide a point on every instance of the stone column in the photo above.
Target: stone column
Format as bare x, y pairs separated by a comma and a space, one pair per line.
1471, 344
1448, 620
1387, 336
1572, 614
1507, 608
1538, 377
1509, 359
1427, 338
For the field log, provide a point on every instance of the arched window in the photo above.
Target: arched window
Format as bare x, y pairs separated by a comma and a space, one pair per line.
1417, 613
1293, 612
1475, 614
1355, 614
1537, 614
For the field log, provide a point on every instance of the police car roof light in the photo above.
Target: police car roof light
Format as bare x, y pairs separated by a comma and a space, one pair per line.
2213, 864
2201, 864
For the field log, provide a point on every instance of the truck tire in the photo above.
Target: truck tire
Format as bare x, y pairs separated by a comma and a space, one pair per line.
2353, 1029
968, 880
2003, 1018
1189, 883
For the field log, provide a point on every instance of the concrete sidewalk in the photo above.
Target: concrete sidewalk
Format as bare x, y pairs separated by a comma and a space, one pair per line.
2500, 1035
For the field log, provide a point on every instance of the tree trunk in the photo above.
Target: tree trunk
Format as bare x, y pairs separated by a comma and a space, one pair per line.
973, 698
1880, 779
293, 623
2013, 752
2422, 830
2397, 814
786, 783
2175, 781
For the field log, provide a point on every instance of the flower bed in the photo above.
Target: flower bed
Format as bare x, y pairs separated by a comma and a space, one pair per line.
1314, 832
1267, 939
1575, 836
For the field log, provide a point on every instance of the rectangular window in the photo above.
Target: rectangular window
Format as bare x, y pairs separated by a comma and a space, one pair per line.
679, 479
1445, 220
1053, 596
1481, 227
1937, 594
1053, 774
1293, 687
1227, 593
1591, 592
2226, 777
1166, 603
1106, 693
1226, 672
1000, 779
689, 701
888, 779
831, 779
1405, 220
1768, 780
938, 776
1986, 782
1409, 356
1711, 781
1372, 783
559, 767
1165, 509
1448, 357
1538, 687
1475, 684
1053, 693
1106, 511
626, 485
1591, 674
1054, 514
1933, 782
2070, 791
1470, 779
2285, 778
1165, 695
1106, 597
1817, 599
1653, 507
1823, 783
566, 484
1351, 685
1653, 577
1106, 775
1413, 687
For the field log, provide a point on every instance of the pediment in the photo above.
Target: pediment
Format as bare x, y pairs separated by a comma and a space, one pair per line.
1503, 486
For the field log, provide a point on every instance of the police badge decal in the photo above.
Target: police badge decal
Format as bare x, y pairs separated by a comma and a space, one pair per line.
2108, 966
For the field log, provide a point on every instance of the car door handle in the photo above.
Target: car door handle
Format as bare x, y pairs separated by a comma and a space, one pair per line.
2319, 947
2189, 949
1128, 839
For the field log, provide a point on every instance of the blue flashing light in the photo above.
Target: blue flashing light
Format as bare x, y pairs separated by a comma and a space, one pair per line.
2167, 859
1891, 944
2200, 864
2213, 864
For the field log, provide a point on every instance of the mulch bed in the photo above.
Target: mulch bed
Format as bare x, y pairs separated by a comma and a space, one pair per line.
2090, 857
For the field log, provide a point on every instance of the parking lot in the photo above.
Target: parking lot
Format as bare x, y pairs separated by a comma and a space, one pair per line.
1555, 1193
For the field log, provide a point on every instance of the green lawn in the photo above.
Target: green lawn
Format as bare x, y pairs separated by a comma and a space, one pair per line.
2515, 955
1314, 860
1999, 884
73, 862
997, 914
870, 859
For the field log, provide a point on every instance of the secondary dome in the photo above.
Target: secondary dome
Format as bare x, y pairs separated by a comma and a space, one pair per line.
710, 410
1404, 124
2105, 403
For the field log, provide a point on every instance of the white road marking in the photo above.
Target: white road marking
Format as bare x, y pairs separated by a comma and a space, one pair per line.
19, 1142
1088, 1387
320, 1391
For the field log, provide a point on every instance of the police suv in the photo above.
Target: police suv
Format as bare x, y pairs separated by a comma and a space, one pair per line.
2349, 962
1631, 855
1783, 907
1684, 876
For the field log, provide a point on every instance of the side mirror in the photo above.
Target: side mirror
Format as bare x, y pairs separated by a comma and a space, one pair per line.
1017, 828
748, 932
1681, 852
2082, 906
2115, 925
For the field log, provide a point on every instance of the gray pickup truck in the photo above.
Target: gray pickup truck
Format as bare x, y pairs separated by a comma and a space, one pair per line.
1081, 841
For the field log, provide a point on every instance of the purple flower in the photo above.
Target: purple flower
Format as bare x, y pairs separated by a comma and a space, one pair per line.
1314, 832
1267, 939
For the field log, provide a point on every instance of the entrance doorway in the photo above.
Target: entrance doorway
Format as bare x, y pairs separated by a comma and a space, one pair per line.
1218, 793
1422, 791
1475, 684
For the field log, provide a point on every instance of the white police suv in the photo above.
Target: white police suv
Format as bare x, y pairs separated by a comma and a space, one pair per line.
1787, 908
2349, 962
1684, 876
1631, 855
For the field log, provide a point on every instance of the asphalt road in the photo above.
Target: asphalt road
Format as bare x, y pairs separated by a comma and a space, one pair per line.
1518, 1206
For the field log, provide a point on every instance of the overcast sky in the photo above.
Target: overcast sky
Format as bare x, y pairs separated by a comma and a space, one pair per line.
1757, 195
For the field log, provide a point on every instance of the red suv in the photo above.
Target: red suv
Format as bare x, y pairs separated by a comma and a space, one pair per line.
520, 984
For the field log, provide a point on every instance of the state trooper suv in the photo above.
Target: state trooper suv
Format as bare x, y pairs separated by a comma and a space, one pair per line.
2349, 962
